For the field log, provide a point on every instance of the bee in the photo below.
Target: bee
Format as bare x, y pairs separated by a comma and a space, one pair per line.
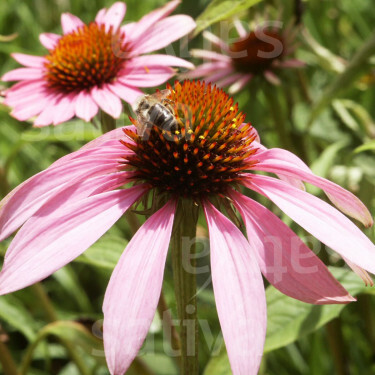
155, 109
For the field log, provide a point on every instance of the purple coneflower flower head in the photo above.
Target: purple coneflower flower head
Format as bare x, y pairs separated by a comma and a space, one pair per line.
262, 52
95, 65
208, 157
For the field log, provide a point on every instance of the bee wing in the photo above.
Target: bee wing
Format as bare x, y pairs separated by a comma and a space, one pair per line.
161, 94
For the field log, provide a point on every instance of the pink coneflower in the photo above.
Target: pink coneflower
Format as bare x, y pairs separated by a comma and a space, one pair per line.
96, 65
257, 53
69, 206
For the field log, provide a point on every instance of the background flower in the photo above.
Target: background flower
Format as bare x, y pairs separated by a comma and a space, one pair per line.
95, 65
261, 52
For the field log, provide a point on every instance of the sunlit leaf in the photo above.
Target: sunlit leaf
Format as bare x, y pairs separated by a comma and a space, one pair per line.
219, 10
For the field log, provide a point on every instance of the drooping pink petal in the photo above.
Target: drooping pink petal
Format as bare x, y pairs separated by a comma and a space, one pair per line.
125, 92
107, 100
80, 190
240, 84
146, 76
272, 78
49, 40
114, 16
164, 33
240, 29
319, 218
206, 69
226, 81
138, 29
29, 60
239, 293
70, 22
134, 289
292, 63
158, 60
23, 74
27, 198
222, 74
209, 55
284, 259
284, 162
215, 40
46, 243
85, 106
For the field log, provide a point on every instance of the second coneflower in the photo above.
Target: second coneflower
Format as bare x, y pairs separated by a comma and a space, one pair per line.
262, 52
205, 159
95, 65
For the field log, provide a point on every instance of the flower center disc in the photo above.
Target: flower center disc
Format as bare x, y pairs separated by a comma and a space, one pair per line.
205, 154
84, 58
255, 55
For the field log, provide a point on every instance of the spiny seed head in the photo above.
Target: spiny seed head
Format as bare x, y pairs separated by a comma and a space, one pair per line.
205, 155
86, 57
254, 55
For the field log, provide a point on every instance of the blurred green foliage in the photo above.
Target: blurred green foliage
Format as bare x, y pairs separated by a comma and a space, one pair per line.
337, 140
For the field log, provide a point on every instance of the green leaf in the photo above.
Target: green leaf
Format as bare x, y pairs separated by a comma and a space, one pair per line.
15, 314
105, 253
69, 333
324, 163
346, 79
289, 319
366, 147
219, 10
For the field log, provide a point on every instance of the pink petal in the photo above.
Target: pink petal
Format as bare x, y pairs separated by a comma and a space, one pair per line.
210, 55
239, 293
27, 198
107, 101
158, 61
292, 63
319, 218
139, 28
70, 23
114, 16
49, 40
284, 259
164, 33
146, 76
22, 89
127, 93
85, 106
134, 289
48, 242
31, 108
46, 117
286, 163
64, 109
23, 73
29, 60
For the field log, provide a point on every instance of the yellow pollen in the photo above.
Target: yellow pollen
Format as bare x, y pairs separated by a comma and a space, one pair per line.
147, 69
201, 137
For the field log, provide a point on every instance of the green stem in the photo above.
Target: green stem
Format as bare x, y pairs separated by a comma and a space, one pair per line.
51, 316
183, 261
336, 343
169, 329
277, 113
6, 360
